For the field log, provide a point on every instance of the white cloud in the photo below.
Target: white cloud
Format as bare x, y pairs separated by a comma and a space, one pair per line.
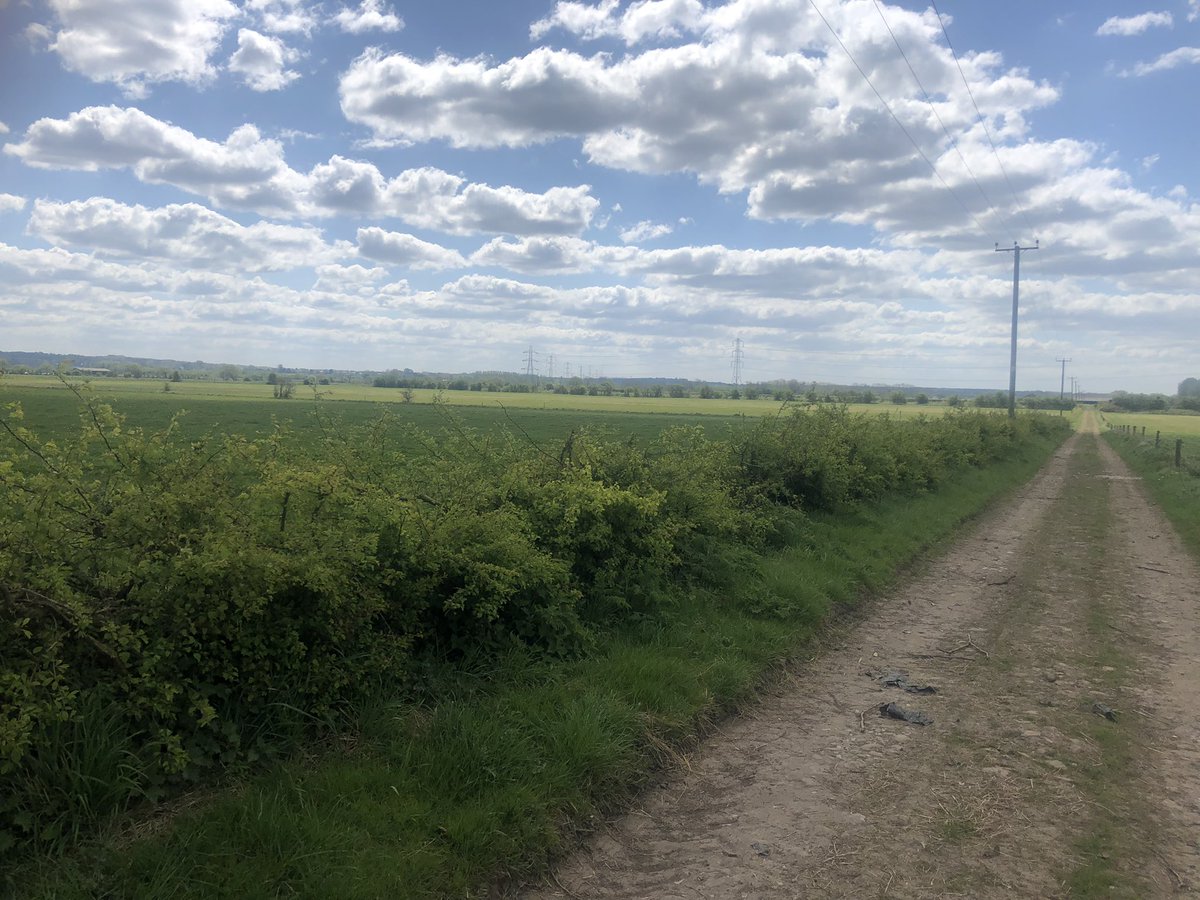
371, 15
1131, 25
1148, 162
284, 16
641, 20
249, 172
186, 234
1183, 56
133, 43
353, 279
406, 250
11, 203
1193, 10
260, 60
645, 231
756, 98
3, 128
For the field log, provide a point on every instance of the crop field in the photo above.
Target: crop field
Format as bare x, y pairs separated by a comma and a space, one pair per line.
250, 410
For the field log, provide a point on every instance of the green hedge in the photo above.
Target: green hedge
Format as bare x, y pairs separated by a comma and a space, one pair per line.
171, 607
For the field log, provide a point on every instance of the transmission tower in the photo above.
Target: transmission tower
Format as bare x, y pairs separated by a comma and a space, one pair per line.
550, 368
738, 356
530, 357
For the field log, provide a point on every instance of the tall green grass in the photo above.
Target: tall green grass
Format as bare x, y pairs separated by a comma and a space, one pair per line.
494, 769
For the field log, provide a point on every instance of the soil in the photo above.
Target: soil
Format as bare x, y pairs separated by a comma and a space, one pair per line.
1072, 599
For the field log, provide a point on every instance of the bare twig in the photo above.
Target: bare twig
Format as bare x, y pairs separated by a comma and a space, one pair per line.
1179, 881
1155, 569
561, 886
969, 644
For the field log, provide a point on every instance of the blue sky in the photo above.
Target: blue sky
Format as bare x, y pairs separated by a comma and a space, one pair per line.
627, 187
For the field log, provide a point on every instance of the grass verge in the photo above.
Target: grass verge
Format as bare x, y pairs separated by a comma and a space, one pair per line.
1175, 490
498, 777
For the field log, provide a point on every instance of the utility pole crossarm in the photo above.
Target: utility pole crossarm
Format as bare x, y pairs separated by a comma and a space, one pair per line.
1015, 249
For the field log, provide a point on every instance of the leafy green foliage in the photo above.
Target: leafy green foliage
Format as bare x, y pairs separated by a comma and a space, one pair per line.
171, 605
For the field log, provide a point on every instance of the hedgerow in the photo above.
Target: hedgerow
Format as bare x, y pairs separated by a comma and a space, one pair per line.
171, 607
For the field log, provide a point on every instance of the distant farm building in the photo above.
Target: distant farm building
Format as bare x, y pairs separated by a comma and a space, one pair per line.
87, 370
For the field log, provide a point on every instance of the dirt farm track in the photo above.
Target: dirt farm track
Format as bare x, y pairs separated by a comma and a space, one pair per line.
1062, 635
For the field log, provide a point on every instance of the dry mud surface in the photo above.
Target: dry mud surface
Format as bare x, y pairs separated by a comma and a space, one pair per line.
1075, 592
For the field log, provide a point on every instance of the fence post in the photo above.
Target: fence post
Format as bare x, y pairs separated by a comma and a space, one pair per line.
1143, 431
1157, 435
1178, 452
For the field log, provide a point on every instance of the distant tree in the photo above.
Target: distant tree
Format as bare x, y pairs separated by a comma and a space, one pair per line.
922, 399
996, 400
677, 390
229, 372
1189, 387
707, 392
406, 395
1127, 402
867, 397
735, 394
176, 377
284, 389
899, 398
954, 400
272, 378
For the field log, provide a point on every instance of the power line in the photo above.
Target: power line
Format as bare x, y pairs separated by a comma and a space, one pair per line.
946, 131
896, 119
982, 120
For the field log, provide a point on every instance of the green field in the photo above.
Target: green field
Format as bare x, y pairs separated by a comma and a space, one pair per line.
1172, 424
250, 410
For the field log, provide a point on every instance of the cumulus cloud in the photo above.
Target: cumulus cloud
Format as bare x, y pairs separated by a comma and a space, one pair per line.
186, 234
370, 15
749, 96
353, 279
11, 203
1131, 25
645, 231
284, 16
407, 250
133, 43
1183, 56
261, 61
640, 21
248, 171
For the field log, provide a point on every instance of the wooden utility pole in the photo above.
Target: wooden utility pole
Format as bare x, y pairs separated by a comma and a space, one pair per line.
1062, 384
1015, 249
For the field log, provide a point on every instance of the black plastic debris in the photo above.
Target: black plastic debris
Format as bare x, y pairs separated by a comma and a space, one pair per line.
1107, 711
896, 711
900, 680
761, 849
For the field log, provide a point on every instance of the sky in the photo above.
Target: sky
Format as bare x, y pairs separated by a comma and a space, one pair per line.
624, 188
